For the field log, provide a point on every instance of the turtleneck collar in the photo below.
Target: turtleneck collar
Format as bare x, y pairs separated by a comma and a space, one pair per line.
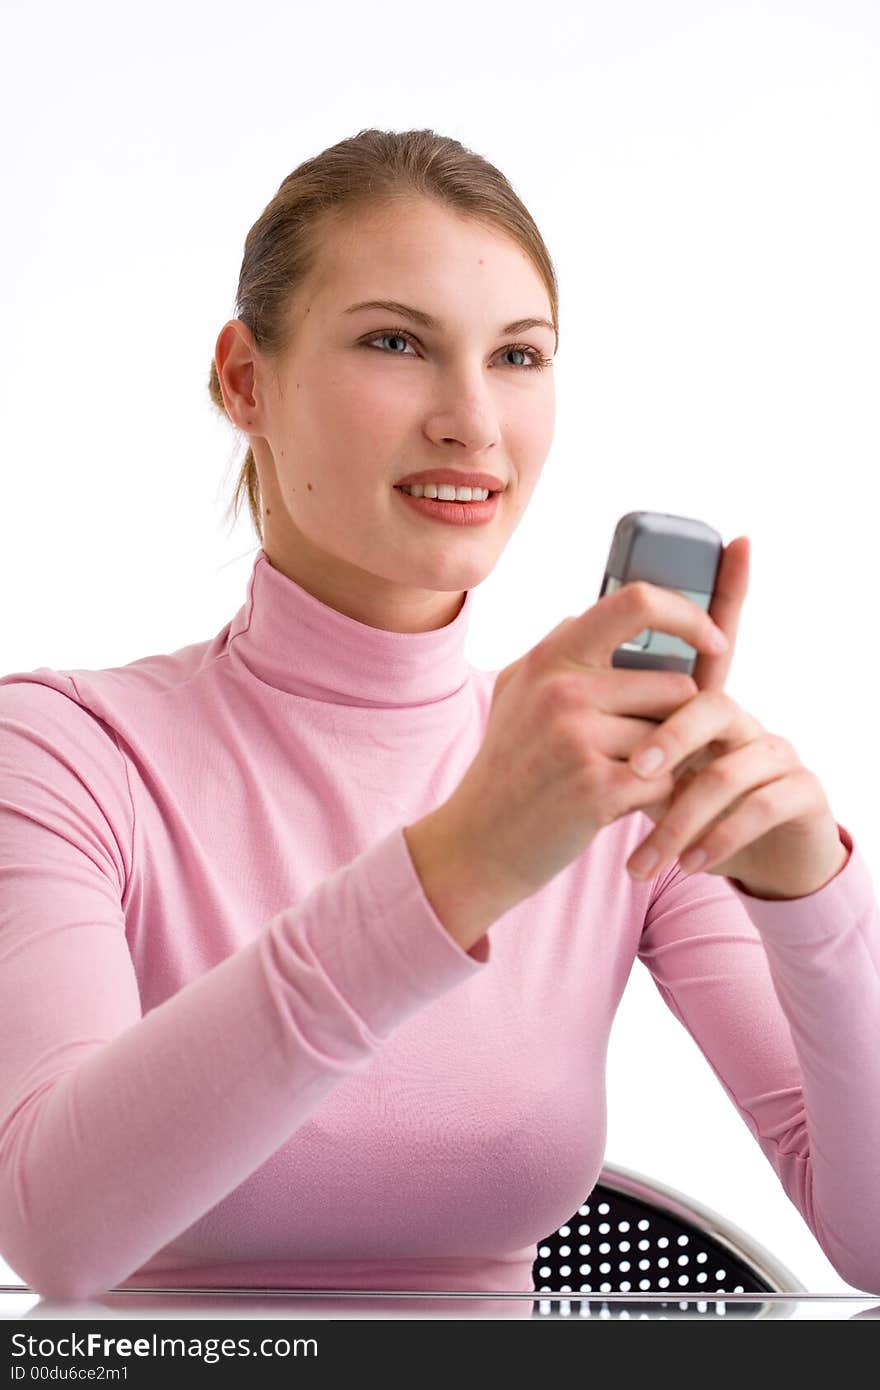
291, 640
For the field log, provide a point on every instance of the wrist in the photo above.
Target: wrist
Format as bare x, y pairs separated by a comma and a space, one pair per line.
463, 896
770, 895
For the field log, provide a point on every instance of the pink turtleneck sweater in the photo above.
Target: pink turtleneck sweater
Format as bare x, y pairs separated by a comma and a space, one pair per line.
238, 1046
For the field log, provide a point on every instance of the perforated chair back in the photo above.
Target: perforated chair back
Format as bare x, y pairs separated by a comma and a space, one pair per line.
632, 1234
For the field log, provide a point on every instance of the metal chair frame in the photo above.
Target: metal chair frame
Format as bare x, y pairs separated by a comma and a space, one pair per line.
692, 1216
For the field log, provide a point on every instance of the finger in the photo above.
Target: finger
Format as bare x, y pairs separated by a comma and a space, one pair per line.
652, 694
731, 585
794, 794
773, 804
682, 776
620, 616
717, 795
709, 715
618, 735
615, 737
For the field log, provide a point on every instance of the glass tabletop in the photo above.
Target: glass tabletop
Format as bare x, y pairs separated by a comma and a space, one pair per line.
17, 1303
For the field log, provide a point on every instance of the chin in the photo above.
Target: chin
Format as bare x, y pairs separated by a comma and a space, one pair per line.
454, 580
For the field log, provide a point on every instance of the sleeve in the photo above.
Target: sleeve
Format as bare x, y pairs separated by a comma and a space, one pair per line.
783, 999
106, 1115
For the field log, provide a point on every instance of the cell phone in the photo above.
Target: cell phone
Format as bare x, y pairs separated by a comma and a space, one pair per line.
675, 552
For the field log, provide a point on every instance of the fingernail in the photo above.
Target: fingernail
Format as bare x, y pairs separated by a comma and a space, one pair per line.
643, 862
647, 761
719, 641
693, 859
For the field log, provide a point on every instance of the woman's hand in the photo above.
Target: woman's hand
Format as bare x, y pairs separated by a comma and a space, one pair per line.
741, 795
551, 771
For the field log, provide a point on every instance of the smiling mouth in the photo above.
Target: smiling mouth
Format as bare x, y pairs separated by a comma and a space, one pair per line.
398, 487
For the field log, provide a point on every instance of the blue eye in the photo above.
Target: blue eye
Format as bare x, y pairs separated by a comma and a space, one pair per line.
539, 362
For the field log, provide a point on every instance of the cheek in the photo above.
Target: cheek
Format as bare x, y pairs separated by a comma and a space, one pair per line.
357, 400
529, 439
386, 411
537, 437
542, 422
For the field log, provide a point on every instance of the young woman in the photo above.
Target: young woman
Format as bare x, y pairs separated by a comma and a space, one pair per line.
312, 934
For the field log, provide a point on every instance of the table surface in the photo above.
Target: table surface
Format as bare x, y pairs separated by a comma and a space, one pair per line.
17, 1303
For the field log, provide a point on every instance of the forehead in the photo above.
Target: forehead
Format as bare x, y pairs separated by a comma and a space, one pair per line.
418, 254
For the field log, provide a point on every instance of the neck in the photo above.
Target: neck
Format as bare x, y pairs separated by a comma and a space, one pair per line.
293, 640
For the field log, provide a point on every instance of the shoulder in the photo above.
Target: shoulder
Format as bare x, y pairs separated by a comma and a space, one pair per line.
46, 707
61, 767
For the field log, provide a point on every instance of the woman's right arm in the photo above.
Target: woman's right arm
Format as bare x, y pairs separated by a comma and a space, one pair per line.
119, 1130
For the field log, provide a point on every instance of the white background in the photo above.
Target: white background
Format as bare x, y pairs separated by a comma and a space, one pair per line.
705, 177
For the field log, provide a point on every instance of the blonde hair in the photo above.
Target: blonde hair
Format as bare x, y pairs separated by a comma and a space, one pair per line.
372, 169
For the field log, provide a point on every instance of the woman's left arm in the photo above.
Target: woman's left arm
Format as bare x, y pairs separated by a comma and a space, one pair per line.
763, 823
783, 999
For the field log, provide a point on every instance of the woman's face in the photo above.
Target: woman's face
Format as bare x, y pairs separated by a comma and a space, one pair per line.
354, 407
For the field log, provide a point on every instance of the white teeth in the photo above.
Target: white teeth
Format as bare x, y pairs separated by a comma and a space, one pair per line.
446, 492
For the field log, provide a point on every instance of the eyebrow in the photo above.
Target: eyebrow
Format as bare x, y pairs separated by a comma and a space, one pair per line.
428, 320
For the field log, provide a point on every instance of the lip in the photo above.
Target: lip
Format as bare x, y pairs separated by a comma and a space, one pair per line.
454, 476
462, 514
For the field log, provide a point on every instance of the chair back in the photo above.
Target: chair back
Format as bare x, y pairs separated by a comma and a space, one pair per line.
633, 1234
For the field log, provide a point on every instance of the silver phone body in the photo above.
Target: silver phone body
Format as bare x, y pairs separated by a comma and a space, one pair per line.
675, 552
